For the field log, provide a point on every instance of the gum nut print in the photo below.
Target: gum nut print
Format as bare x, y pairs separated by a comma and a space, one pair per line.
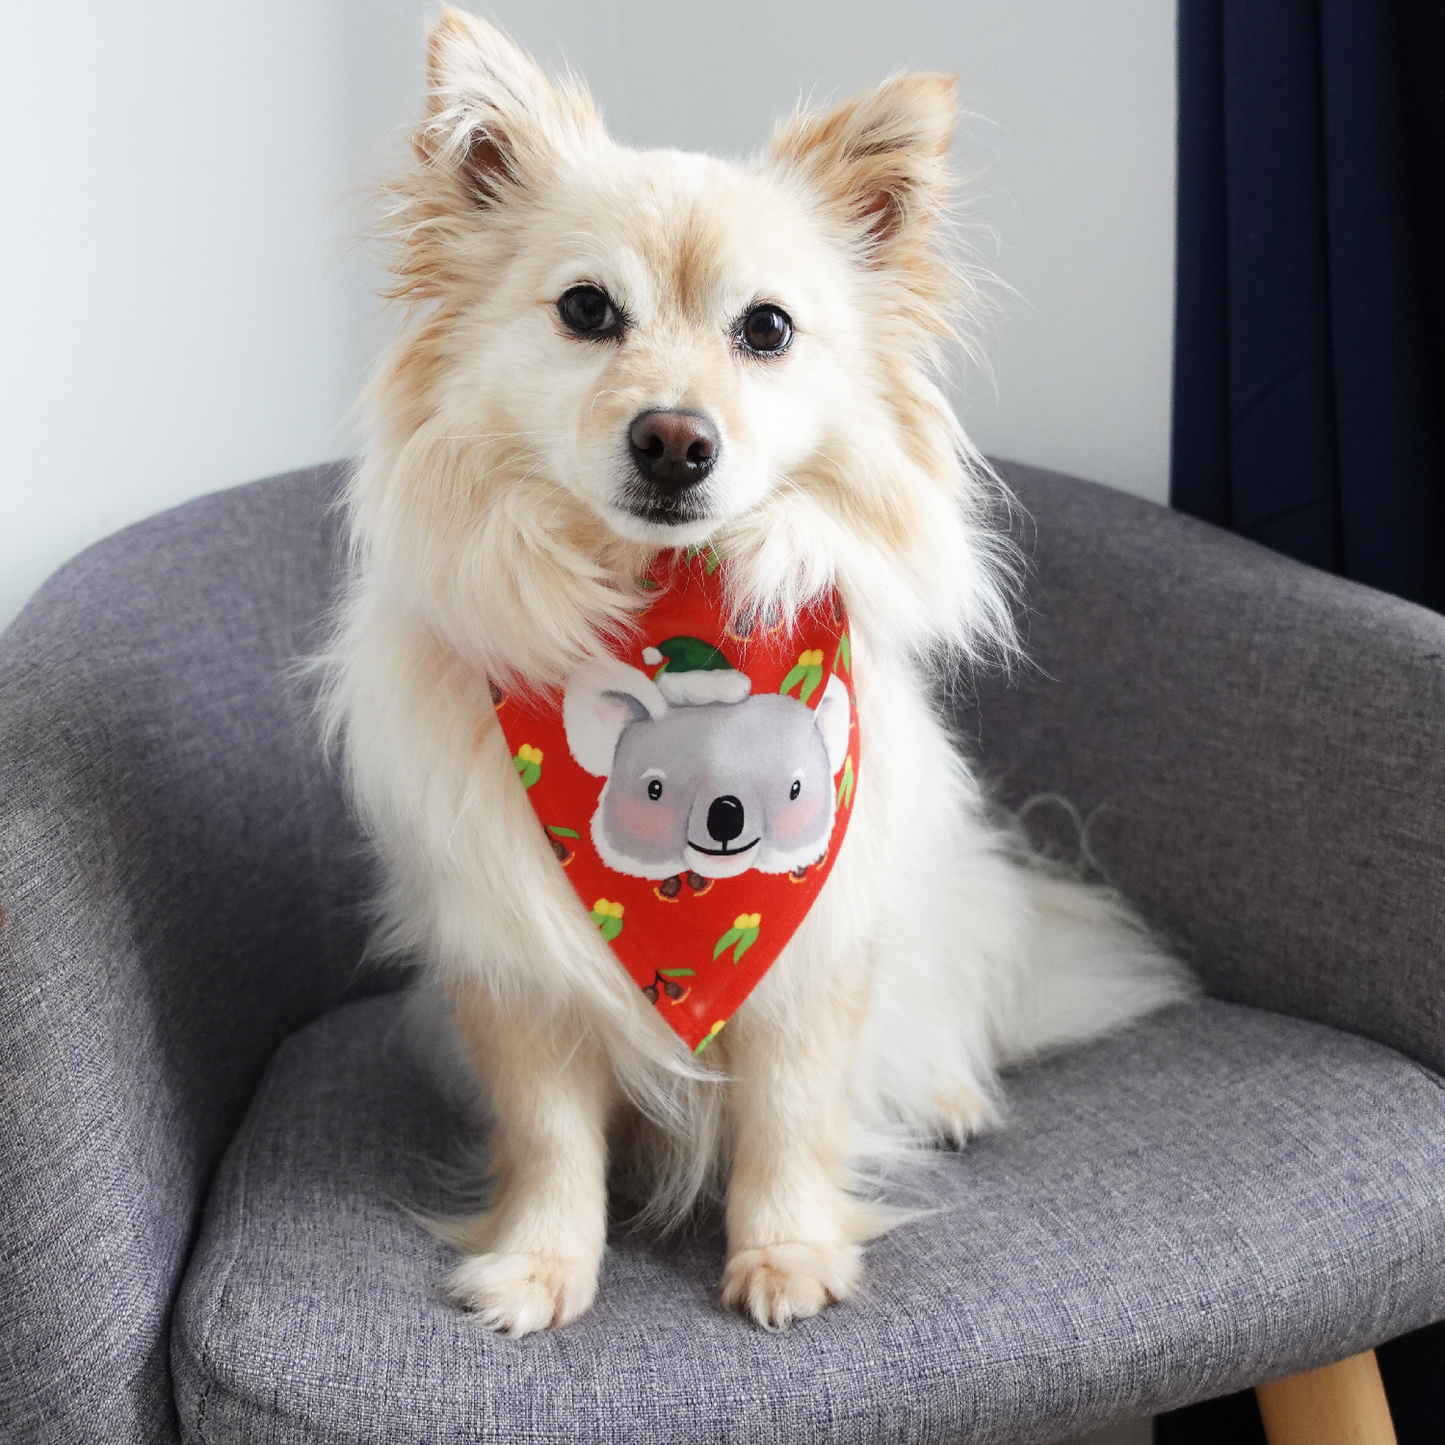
702, 776
669, 982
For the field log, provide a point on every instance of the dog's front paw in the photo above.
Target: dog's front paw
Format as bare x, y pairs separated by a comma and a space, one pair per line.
519, 1293
785, 1282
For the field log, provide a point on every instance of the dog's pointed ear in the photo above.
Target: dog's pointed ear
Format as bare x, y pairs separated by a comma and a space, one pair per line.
881, 158
834, 718
492, 116
601, 700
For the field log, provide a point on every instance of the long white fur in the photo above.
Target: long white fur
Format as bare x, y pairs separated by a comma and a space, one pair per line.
488, 542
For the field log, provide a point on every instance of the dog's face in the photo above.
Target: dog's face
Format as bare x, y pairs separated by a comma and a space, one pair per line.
671, 339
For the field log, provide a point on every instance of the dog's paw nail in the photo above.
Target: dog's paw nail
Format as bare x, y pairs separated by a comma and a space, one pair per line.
962, 1112
517, 1294
782, 1283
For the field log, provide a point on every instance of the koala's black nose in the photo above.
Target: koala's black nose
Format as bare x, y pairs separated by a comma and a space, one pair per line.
673, 449
725, 819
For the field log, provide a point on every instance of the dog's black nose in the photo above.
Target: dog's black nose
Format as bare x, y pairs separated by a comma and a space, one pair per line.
673, 449
725, 819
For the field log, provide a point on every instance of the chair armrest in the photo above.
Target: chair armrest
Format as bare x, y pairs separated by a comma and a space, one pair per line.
1256, 748
179, 882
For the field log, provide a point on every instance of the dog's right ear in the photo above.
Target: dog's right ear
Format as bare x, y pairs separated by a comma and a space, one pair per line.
492, 116
600, 701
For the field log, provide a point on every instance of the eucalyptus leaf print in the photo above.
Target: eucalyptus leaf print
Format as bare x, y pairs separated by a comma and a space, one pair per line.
528, 764
711, 557
711, 1034
741, 936
608, 917
809, 672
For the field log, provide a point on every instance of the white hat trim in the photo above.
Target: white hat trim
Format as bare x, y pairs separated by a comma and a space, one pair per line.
692, 689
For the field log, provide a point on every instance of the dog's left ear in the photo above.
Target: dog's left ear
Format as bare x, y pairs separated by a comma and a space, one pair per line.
493, 118
880, 158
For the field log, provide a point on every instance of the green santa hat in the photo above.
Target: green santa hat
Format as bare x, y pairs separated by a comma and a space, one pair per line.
690, 672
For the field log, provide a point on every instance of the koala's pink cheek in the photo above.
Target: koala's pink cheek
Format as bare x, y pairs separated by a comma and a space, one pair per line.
643, 818
796, 821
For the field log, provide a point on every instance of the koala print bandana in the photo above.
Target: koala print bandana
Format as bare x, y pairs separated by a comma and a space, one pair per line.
697, 788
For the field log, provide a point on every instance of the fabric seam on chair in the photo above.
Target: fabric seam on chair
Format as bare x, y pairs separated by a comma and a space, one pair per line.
248, 1405
204, 1359
1429, 1073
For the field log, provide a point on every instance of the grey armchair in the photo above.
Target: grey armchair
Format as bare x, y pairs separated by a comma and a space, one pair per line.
210, 1136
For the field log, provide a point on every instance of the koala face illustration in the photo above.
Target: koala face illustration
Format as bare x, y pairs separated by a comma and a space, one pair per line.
711, 788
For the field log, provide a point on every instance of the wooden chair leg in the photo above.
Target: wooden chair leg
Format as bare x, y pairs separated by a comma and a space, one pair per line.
1341, 1404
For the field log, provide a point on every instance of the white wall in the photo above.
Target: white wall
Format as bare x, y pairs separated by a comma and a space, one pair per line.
180, 309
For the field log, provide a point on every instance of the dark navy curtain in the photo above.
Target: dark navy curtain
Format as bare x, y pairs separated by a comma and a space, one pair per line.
1309, 367
1309, 383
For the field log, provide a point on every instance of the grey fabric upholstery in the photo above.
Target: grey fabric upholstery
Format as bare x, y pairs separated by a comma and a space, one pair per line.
180, 884
1258, 750
182, 890
1220, 1196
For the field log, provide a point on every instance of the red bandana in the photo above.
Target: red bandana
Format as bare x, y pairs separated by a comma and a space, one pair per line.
697, 788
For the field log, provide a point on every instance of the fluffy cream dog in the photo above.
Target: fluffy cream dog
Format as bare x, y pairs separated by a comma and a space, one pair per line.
560, 286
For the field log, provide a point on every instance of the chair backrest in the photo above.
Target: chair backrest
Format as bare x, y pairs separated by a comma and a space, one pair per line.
182, 888
1256, 750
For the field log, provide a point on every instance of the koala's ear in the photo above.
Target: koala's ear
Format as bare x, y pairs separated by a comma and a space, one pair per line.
834, 717
600, 701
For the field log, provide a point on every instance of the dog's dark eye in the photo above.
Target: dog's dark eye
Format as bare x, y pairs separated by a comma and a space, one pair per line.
588, 311
766, 330
654, 789
796, 788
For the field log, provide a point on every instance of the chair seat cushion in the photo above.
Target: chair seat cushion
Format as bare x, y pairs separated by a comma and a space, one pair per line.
1217, 1197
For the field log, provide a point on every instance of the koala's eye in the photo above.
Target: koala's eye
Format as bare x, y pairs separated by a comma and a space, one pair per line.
654, 789
588, 312
796, 788
766, 330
